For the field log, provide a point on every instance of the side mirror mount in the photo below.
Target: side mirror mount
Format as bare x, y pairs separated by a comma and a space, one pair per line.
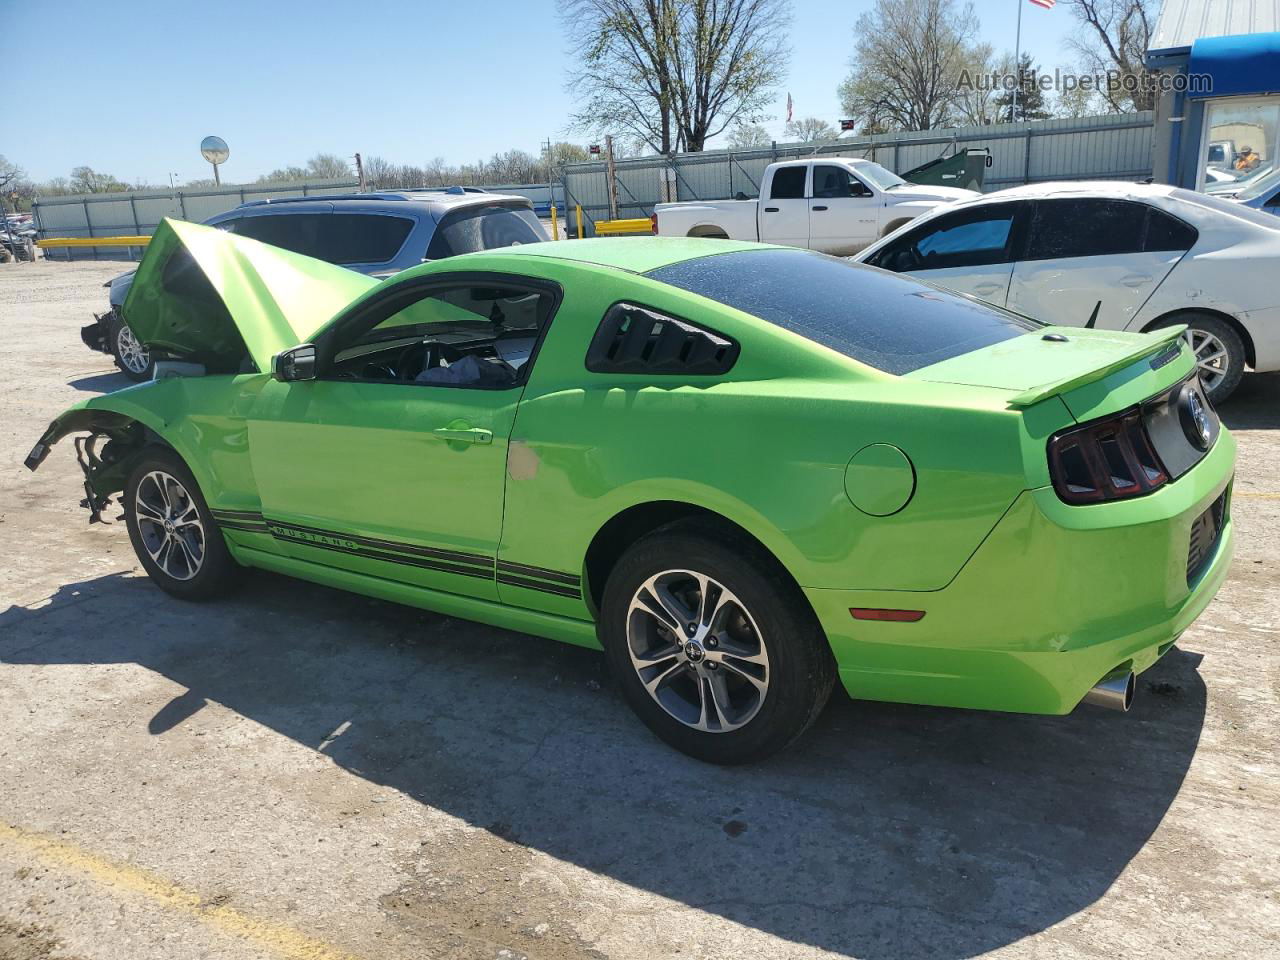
296, 363
859, 189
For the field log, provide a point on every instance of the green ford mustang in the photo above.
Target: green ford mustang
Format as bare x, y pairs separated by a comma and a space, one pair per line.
743, 471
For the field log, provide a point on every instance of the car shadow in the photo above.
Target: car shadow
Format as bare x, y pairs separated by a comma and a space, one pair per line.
1255, 405
889, 832
101, 382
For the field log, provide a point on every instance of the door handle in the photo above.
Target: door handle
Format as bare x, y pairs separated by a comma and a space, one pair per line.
1135, 279
464, 434
770, 209
817, 208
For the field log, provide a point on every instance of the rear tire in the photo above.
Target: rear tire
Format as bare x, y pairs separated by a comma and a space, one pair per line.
715, 649
132, 357
173, 533
1219, 352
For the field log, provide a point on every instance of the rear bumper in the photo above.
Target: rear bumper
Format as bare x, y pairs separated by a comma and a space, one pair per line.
1054, 598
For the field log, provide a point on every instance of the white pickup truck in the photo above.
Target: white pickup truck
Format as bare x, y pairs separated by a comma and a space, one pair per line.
834, 204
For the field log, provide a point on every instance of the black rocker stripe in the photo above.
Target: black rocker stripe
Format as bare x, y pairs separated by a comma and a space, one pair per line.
244, 527
236, 515
541, 573
395, 558
450, 556
575, 593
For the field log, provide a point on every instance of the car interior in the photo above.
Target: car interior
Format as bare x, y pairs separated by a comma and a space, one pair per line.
463, 336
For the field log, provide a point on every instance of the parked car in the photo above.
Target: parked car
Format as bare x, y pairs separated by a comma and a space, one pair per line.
373, 233
833, 204
1222, 153
1230, 183
742, 471
1116, 256
1261, 194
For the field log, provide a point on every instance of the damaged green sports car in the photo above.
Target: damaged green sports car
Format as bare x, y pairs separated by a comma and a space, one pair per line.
745, 472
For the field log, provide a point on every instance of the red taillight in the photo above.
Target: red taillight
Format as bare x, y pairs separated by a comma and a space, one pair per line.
878, 613
1109, 459
653, 223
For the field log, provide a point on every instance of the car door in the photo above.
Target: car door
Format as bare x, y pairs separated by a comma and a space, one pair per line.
970, 251
843, 211
368, 469
783, 216
1087, 254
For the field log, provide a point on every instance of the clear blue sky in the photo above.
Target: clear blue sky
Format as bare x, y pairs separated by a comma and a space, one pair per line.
130, 88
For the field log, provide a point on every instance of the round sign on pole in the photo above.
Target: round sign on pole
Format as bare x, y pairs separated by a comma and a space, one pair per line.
215, 150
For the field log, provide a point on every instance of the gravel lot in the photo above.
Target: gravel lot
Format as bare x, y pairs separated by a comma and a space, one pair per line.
301, 773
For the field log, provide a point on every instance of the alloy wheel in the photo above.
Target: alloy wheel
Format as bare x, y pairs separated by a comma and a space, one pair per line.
697, 651
169, 525
1212, 359
132, 354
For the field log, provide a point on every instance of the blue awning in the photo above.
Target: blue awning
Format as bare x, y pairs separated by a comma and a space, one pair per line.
1249, 63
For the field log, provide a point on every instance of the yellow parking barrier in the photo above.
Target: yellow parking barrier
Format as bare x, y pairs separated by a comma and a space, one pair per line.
49, 243
616, 228
578, 208
555, 224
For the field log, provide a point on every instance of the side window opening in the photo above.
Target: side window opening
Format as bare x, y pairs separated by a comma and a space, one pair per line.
1165, 232
1068, 228
636, 339
968, 239
788, 184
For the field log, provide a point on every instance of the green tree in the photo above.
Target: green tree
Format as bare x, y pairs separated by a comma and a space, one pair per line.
1031, 101
745, 136
328, 166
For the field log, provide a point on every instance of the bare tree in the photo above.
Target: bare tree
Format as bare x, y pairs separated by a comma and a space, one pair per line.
747, 135
976, 94
1117, 36
811, 130
328, 166
907, 61
671, 74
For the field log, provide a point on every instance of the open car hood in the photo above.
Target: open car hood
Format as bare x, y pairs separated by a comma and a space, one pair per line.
208, 296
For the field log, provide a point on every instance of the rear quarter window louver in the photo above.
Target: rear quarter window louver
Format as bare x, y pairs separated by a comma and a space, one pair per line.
636, 339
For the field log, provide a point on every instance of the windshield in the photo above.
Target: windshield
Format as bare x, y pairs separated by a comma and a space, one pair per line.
1260, 186
878, 175
891, 322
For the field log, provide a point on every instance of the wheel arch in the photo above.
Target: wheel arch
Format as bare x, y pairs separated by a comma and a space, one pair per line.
1176, 316
708, 230
638, 520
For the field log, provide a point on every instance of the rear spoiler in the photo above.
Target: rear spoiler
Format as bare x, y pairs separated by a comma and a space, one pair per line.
1163, 339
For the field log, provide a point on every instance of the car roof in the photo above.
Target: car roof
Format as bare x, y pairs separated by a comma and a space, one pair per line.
634, 254
824, 158
435, 200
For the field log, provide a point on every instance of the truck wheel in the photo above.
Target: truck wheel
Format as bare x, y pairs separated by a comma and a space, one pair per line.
715, 650
132, 357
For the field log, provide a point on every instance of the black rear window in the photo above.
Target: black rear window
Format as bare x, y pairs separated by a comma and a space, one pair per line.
890, 322
484, 228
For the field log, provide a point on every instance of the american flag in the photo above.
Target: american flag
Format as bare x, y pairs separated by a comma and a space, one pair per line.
1047, 4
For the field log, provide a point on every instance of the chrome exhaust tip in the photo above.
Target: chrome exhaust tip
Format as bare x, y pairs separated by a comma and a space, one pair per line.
1114, 691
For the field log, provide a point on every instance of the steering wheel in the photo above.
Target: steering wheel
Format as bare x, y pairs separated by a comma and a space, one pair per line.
424, 355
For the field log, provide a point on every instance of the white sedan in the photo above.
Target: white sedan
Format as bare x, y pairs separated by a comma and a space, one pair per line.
1112, 255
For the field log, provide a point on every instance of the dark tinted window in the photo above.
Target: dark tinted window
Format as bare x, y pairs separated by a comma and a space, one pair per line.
636, 339
484, 228
893, 323
1168, 233
830, 183
1085, 228
335, 237
788, 184
964, 239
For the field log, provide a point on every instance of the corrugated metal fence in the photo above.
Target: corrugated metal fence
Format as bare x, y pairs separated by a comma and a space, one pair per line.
140, 212
1114, 147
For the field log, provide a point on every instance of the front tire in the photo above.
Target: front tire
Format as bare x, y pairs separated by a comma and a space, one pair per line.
1218, 350
716, 650
132, 357
173, 533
